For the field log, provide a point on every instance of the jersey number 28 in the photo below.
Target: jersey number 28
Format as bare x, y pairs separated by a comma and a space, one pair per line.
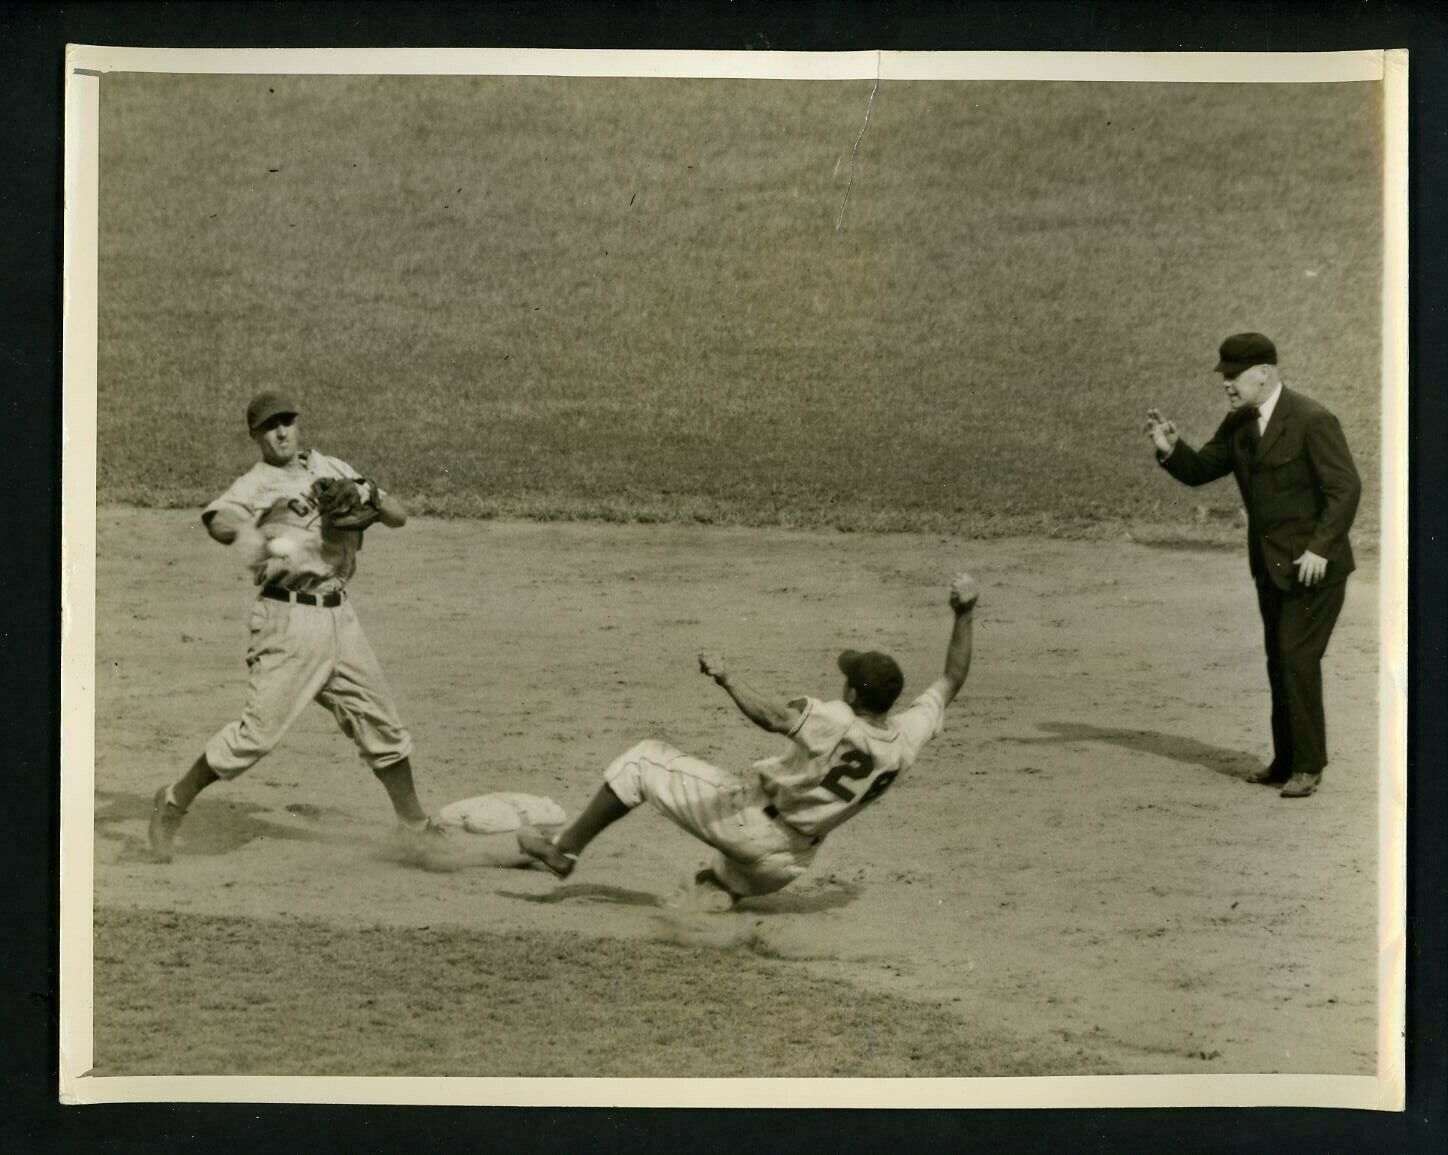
856, 764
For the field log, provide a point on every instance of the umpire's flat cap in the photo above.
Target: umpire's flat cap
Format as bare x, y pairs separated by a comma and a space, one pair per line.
875, 678
1242, 351
265, 406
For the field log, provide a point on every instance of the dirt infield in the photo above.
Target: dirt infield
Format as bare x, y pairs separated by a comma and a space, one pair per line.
1075, 873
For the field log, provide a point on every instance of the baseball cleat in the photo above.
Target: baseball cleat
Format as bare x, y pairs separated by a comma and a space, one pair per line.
426, 846
541, 849
165, 821
1300, 786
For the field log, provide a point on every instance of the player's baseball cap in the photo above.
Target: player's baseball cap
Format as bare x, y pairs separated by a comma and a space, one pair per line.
1243, 350
875, 678
266, 405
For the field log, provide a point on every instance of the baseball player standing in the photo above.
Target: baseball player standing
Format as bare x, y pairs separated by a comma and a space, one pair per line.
767, 825
306, 643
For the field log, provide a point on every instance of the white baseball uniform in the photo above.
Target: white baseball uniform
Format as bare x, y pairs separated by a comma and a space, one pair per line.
768, 824
301, 652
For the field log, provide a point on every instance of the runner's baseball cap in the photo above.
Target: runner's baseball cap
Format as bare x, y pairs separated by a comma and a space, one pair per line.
1243, 350
264, 406
875, 678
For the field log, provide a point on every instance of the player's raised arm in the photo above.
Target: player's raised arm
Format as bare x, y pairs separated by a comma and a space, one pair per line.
767, 713
226, 522
963, 596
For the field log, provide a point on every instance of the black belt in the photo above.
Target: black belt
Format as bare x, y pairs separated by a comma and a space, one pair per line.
326, 601
771, 812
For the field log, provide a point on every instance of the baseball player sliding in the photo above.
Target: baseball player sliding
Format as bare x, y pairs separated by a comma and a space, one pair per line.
767, 825
298, 517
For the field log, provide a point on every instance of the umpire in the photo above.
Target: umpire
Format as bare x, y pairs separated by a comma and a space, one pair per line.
1301, 491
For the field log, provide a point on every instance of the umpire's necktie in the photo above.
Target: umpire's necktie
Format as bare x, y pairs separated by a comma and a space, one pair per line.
1252, 432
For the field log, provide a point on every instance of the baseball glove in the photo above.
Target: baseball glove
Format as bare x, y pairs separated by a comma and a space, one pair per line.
344, 503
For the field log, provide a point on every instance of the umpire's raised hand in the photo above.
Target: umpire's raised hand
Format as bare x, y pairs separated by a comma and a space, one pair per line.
1162, 432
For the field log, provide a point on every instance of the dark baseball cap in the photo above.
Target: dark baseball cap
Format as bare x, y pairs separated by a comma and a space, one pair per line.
1243, 350
875, 678
264, 406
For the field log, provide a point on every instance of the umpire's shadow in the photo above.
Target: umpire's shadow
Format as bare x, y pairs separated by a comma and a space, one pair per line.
1176, 747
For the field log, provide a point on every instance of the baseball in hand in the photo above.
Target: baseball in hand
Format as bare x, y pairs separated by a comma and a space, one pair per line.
963, 593
281, 558
251, 544
283, 548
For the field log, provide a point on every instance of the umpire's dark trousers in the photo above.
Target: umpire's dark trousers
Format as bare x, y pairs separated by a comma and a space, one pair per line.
1296, 627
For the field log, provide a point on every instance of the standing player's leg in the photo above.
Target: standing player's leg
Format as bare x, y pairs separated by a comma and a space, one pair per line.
289, 658
401, 791
170, 803
358, 696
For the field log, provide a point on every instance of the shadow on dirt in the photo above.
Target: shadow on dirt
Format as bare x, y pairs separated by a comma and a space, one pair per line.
214, 826
1189, 751
588, 892
827, 897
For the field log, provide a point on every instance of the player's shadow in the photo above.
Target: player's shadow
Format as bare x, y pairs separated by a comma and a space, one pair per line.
828, 896
587, 892
1175, 747
214, 827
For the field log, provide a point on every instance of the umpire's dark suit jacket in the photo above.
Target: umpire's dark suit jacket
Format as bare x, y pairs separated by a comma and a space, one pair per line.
1299, 485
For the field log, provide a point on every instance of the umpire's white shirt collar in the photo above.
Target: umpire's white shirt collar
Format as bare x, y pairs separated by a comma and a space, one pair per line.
1264, 411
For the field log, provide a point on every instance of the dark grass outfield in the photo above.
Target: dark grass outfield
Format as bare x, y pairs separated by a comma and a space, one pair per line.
629, 299
454, 1002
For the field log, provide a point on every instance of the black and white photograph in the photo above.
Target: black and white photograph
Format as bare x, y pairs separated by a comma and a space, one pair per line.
877, 578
